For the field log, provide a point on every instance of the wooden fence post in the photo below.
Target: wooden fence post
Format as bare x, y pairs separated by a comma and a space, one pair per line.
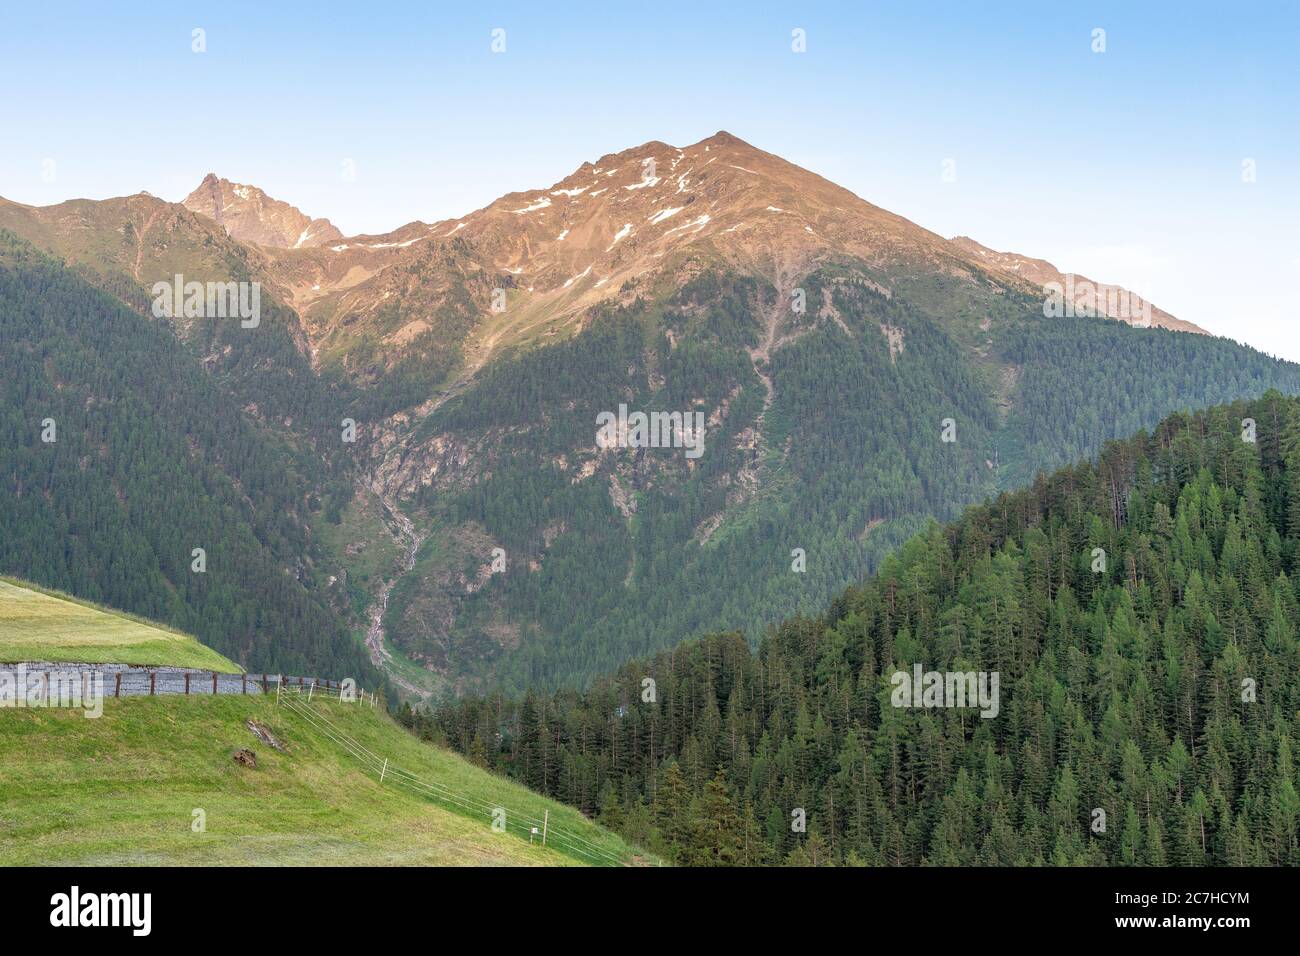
214, 682
153, 681
245, 683
187, 682
117, 690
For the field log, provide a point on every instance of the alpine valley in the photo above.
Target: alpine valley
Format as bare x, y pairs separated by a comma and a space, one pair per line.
398, 469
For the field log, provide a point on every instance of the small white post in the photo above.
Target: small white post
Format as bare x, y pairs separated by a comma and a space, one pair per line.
384, 771
546, 819
311, 690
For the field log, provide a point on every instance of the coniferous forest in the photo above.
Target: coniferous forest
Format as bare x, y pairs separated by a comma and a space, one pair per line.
149, 457
848, 462
1140, 610
765, 439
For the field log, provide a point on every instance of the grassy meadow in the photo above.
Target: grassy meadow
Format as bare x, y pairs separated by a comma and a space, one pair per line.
41, 625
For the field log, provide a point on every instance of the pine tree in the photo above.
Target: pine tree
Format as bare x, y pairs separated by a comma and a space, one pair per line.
716, 828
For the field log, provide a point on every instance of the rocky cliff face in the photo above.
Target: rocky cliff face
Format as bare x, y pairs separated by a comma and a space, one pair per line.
250, 215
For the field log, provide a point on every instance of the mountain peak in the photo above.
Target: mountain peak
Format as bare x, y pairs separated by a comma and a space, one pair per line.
723, 138
635, 211
250, 215
608, 227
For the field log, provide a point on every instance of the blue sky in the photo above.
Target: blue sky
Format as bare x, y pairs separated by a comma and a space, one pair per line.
1124, 165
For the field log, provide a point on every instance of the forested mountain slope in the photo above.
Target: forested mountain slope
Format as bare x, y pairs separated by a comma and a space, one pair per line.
821, 456
857, 375
120, 455
127, 245
1141, 614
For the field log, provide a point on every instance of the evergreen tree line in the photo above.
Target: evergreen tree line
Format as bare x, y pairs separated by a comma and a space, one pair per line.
1140, 611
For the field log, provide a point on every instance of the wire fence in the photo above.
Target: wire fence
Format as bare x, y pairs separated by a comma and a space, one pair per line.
298, 700
298, 695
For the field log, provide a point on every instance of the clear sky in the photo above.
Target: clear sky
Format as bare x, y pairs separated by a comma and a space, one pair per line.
1125, 165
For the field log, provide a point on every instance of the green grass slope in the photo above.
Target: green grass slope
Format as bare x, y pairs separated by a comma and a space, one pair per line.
37, 624
123, 790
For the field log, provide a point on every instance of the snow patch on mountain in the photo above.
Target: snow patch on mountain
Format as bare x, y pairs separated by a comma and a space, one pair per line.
541, 204
665, 214
581, 275
622, 233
